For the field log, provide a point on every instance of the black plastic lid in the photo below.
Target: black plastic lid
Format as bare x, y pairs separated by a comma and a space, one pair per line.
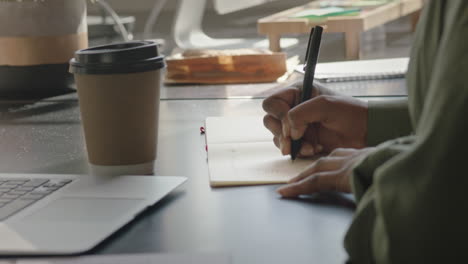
126, 57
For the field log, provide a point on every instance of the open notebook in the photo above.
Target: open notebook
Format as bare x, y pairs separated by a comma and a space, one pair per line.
241, 152
360, 70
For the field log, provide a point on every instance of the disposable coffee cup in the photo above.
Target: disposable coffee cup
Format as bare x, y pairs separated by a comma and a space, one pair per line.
118, 88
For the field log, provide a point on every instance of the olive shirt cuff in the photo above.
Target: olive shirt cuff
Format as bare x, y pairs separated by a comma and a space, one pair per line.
363, 172
387, 119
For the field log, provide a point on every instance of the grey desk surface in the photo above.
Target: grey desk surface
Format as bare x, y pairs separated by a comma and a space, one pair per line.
252, 224
371, 88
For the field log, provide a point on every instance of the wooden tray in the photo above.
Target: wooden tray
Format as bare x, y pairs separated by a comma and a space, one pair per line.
352, 26
250, 68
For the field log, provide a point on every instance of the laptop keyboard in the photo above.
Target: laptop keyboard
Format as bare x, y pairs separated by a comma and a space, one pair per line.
16, 193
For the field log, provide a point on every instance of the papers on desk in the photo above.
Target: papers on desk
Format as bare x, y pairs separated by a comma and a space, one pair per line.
360, 70
241, 152
320, 13
352, 3
131, 259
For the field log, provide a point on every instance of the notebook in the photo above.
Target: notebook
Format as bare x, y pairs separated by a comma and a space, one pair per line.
241, 152
360, 70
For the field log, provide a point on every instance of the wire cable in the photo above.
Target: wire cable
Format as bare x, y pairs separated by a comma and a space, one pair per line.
157, 8
120, 26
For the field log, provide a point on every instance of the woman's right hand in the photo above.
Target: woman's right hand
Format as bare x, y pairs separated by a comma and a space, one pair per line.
325, 122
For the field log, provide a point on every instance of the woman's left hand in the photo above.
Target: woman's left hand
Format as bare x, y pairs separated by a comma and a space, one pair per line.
330, 173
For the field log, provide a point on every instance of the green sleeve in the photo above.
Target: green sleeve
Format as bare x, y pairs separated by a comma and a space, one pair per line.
387, 119
363, 173
358, 241
412, 203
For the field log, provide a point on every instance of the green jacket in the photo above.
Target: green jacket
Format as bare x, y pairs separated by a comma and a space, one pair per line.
412, 191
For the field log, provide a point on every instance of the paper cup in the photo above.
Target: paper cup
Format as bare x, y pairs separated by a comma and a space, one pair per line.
118, 88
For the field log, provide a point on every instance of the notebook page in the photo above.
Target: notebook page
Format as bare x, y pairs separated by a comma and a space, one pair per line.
236, 129
251, 163
241, 152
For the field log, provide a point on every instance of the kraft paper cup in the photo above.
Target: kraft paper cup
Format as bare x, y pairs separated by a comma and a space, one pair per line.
118, 88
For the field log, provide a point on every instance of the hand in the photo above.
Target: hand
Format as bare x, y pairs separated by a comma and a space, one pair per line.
331, 173
325, 122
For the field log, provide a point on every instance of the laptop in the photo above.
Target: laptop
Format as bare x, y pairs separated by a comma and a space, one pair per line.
44, 214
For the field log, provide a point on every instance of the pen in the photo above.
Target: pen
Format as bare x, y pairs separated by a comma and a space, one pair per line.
312, 53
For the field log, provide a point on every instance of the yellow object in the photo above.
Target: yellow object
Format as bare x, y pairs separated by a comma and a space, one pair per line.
225, 66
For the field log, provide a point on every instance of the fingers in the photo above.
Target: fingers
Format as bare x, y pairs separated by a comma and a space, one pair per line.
281, 141
342, 152
276, 141
278, 105
320, 165
285, 145
320, 89
272, 124
311, 111
319, 182
308, 149
326, 174
282, 138
281, 102
285, 126
278, 120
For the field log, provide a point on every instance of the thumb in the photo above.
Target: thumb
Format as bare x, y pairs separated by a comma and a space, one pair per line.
308, 112
297, 132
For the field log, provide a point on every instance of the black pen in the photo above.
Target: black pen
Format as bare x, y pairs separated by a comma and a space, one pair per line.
312, 53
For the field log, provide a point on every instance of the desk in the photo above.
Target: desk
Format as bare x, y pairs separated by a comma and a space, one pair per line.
252, 224
352, 26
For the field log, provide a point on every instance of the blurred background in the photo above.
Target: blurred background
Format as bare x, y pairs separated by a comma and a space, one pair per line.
390, 40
